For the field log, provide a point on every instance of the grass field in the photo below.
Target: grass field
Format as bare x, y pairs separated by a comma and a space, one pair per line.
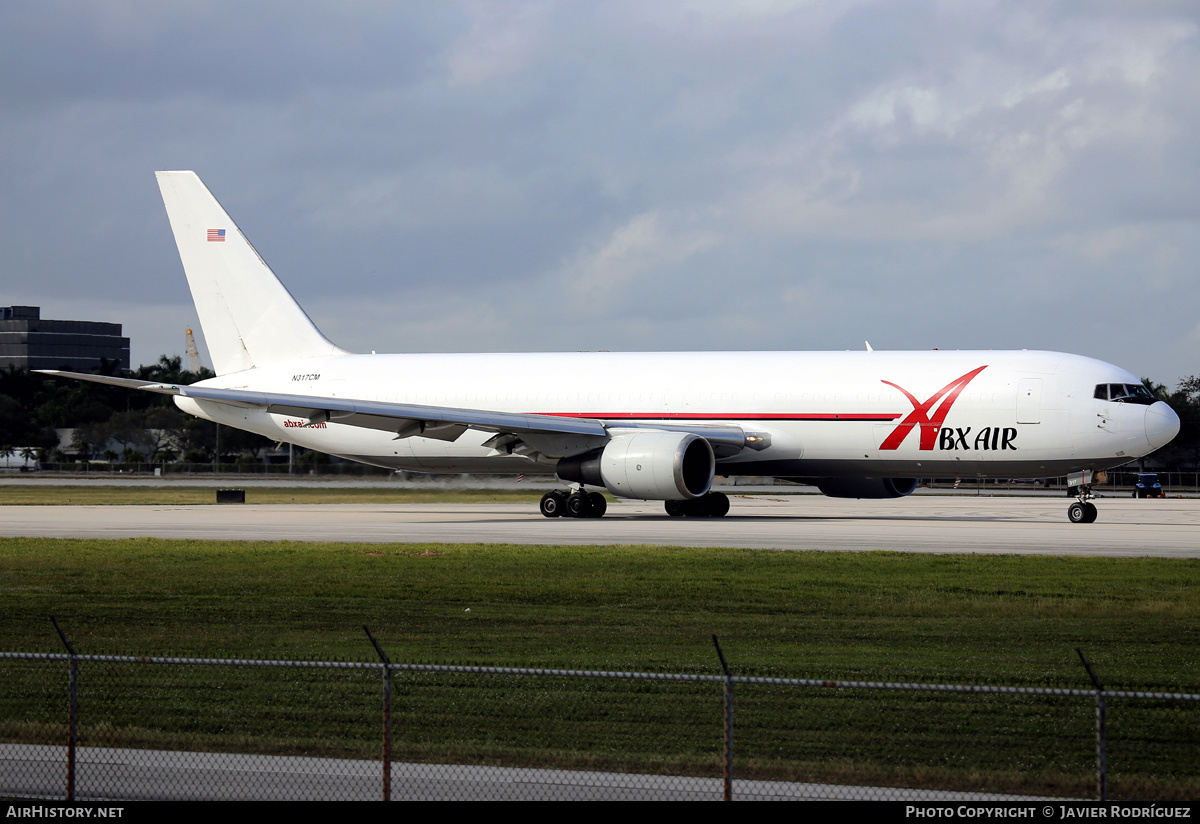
870, 616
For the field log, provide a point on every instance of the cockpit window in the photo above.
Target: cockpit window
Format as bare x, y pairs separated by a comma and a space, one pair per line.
1124, 393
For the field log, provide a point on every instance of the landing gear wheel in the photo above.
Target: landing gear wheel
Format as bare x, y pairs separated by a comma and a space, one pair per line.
597, 505
717, 504
1077, 513
1082, 512
553, 504
712, 505
577, 505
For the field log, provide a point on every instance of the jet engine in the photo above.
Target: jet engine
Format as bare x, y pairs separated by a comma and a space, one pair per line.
867, 487
651, 465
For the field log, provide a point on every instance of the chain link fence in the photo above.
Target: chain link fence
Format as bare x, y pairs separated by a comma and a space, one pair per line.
95, 727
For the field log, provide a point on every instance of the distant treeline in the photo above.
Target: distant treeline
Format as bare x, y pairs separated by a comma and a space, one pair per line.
112, 423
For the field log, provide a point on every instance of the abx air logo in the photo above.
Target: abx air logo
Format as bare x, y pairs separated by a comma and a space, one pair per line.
930, 424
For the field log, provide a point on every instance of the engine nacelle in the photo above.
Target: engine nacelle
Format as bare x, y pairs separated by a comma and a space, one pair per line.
867, 487
653, 466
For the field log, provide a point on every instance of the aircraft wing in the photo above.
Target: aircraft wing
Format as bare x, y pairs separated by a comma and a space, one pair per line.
402, 418
405, 419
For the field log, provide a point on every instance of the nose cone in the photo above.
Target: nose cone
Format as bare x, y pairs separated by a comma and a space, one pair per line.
1162, 424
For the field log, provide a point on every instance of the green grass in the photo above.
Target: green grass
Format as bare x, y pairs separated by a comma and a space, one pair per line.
867, 616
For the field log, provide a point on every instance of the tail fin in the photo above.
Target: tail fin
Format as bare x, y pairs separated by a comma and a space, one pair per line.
249, 318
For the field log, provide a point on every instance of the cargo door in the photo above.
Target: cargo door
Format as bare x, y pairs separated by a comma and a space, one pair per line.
1029, 400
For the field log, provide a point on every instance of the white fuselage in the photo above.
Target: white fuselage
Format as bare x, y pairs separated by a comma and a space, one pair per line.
823, 414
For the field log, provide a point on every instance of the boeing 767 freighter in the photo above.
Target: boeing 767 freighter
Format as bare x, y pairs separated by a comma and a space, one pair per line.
646, 425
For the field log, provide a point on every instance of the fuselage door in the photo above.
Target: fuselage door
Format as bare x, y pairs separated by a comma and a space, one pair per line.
1029, 400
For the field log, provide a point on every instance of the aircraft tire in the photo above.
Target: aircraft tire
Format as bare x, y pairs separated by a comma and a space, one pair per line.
1089, 513
577, 505
1076, 513
716, 504
597, 505
552, 504
674, 508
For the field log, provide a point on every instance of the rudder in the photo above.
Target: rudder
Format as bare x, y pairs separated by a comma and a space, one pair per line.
248, 317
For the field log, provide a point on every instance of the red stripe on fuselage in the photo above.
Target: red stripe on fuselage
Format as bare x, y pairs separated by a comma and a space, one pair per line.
740, 416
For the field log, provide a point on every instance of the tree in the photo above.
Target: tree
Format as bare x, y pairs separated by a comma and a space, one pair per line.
19, 404
87, 440
169, 369
1185, 400
32, 406
1184, 451
1158, 390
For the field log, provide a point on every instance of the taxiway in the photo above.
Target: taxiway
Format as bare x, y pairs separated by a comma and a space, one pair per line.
921, 523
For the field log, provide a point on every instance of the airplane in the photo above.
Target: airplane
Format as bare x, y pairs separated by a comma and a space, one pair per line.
644, 425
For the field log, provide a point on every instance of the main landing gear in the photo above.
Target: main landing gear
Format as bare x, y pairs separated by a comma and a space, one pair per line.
1083, 511
577, 504
712, 505
580, 503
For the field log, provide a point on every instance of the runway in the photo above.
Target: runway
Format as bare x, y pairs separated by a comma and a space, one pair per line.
1126, 527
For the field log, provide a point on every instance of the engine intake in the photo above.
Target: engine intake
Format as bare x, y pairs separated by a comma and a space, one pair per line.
652, 465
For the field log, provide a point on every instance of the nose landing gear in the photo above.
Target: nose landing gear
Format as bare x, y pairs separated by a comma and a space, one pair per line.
1083, 511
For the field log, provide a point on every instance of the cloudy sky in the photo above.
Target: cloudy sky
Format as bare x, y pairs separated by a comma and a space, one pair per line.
462, 176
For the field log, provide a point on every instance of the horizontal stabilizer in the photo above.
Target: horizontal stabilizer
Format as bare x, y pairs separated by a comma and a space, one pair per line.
128, 383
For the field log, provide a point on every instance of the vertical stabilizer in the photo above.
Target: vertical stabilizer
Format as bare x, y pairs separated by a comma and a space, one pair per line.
249, 319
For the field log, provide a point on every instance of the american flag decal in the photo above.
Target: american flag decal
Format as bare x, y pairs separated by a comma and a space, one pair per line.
216, 235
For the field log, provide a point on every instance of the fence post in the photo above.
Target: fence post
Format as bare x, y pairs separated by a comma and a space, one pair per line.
387, 716
728, 722
1101, 733
72, 708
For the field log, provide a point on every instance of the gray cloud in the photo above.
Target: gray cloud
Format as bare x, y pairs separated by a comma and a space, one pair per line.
477, 176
